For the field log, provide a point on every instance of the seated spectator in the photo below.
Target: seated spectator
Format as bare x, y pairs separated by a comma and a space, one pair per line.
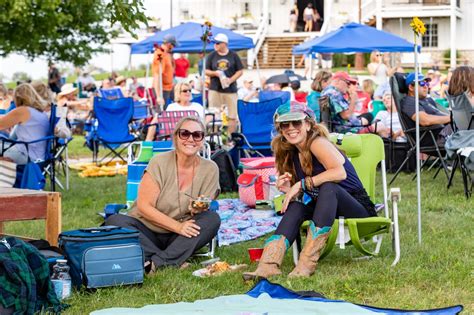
368, 86
248, 93
121, 82
78, 109
30, 122
182, 96
363, 100
107, 83
5, 100
300, 96
429, 114
320, 82
87, 82
444, 84
171, 230
389, 118
132, 87
342, 109
462, 81
62, 130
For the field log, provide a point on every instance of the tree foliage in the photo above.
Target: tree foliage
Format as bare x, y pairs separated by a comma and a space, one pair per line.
65, 30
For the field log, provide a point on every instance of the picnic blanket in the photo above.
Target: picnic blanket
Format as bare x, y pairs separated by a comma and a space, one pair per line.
269, 298
241, 223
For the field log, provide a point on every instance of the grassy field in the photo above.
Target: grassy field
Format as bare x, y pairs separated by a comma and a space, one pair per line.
437, 273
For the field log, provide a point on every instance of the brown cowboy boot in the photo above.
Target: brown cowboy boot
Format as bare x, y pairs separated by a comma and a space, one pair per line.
315, 242
272, 257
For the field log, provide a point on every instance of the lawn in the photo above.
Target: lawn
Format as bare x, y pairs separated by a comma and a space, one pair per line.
437, 273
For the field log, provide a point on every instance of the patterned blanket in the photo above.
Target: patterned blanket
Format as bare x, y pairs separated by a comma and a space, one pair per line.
241, 223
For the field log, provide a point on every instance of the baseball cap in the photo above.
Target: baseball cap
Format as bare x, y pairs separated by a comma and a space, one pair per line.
221, 38
411, 78
341, 75
170, 39
291, 111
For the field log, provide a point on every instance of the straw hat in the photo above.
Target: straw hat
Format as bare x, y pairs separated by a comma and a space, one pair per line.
66, 89
119, 79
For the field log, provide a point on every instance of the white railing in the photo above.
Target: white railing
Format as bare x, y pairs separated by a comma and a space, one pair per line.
259, 38
368, 10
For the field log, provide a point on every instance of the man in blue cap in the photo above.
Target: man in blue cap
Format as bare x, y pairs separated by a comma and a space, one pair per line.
162, 58
429, 114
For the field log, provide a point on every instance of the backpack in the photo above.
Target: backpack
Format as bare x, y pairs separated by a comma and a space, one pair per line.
227, 175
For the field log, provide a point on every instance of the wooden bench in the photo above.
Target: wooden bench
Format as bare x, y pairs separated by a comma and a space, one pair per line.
23, 204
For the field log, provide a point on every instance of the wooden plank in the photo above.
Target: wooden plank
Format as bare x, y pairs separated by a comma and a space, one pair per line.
23, 207
53, 218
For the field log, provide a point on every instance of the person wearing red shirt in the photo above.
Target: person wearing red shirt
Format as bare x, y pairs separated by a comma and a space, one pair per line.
181, 67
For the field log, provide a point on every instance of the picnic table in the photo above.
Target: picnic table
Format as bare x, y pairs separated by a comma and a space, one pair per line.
24, 204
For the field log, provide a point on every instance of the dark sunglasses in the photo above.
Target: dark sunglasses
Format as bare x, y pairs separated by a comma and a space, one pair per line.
422, 83
296, 124
184, 134
185, 91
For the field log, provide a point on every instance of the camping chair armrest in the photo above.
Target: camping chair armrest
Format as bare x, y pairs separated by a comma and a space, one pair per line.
425, 128
27, 142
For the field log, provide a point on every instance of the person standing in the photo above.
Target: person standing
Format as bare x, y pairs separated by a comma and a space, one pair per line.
54, 78
181, 67
377, 67
224, 67
162, 57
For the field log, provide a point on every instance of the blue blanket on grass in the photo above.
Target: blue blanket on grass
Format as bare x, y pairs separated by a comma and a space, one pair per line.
241, 223
268, 298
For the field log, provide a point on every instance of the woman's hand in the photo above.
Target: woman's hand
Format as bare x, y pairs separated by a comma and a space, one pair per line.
283, 182
293, 192
189, 229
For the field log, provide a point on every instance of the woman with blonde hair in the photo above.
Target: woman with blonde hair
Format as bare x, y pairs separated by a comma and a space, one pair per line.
320, 184
378, 69
170, 227
30, 122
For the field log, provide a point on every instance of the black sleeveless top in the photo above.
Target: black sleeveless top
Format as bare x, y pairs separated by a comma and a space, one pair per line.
351, 184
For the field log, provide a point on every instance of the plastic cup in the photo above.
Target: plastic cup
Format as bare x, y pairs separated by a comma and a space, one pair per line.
255, 253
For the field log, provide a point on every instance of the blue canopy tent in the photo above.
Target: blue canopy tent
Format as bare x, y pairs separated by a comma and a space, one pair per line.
189, 38
354, 37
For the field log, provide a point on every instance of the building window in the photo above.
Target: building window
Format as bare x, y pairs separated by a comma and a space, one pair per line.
246, 7
430, 38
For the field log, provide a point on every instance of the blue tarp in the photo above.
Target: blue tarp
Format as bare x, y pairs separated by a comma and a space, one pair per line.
189, 38
354, 37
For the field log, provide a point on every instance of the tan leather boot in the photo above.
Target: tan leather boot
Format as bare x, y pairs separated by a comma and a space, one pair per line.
272, 257
315, 242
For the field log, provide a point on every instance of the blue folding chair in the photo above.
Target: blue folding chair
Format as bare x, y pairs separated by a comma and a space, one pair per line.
256, 124
33, 176
264, 96
111, 94
113, 126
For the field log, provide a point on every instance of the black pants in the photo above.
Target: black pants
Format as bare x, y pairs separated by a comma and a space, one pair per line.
170, 249
333, 201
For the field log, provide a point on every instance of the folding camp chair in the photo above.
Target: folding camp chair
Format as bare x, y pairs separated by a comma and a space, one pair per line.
366, 152
462, 118
139, 155
111, 94
428, 139
167, 121
256, 126
150, 95
46, 165
113, 131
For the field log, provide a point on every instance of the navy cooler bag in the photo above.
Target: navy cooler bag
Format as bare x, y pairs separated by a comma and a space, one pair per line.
103, 256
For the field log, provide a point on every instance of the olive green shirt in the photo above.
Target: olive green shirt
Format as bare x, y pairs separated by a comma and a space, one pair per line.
162, 169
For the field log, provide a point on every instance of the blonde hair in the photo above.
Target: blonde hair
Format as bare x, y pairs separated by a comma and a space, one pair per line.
26, 95
368, 86
284, 151
3, 89
43, 91
186, 119
177, 90
373, 56
321, 76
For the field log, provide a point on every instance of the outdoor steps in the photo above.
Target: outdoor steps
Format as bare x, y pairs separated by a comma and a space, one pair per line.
276, 52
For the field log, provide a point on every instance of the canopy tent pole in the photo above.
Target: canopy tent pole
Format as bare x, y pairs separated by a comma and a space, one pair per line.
311, 65
203, 80
160, 89
147, 73
417, 123
293, 62
258, 71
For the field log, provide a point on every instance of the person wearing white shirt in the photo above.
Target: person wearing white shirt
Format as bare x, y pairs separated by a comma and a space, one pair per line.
248, 93
87, 82
389, 118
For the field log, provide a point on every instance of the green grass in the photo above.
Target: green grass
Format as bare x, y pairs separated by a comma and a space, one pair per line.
437, 273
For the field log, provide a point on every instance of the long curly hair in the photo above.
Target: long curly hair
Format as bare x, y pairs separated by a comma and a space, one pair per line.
461, 81
284, 151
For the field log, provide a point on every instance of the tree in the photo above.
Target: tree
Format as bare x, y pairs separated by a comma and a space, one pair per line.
20, 77
65, 30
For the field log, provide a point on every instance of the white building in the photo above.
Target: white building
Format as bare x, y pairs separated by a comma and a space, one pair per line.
450, 23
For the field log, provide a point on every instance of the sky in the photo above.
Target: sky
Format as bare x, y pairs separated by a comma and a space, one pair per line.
38, 68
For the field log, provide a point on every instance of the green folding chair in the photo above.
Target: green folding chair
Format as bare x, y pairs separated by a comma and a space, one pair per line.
365, 151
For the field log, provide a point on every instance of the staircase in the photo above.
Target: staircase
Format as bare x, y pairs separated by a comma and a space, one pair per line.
275, 52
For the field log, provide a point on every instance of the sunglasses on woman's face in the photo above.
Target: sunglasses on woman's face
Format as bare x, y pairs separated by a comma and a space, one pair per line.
184, 134
286, 125
185, 91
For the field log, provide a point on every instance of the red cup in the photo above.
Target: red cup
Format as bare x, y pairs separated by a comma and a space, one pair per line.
255, 253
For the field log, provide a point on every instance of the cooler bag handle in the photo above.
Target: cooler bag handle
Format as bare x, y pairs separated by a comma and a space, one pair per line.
106, 228
246, 180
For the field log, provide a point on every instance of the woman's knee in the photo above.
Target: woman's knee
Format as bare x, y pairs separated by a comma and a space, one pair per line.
118, 220
328, 188
210, 220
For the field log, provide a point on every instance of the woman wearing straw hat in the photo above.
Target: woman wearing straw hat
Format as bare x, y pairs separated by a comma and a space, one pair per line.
67, 98
121, 82
320, 184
